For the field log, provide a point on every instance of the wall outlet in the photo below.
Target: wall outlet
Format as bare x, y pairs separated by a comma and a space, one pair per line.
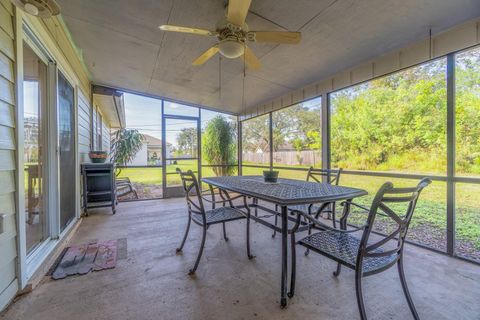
2, 223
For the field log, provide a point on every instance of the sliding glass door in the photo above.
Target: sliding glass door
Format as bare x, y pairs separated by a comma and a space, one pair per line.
66, 148
34, 155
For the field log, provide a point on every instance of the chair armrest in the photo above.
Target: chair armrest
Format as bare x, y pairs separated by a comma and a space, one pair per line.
366, 209
320, 224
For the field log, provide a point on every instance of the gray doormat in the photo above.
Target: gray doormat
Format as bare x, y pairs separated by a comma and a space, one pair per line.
93, 256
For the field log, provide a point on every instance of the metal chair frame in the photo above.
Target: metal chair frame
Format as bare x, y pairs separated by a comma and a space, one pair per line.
375, 251
200, 216
332, 176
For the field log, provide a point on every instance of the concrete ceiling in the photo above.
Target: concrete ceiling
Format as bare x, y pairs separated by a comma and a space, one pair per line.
123, 47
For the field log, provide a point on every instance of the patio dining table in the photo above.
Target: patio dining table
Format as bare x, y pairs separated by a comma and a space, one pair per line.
285, 193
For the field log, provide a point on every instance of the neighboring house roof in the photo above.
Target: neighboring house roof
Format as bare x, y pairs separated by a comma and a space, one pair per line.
153, 141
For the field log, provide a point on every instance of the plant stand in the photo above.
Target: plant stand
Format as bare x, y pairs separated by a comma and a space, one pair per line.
98, 186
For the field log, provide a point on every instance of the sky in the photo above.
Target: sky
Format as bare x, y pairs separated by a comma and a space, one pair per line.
30, 98
145, 114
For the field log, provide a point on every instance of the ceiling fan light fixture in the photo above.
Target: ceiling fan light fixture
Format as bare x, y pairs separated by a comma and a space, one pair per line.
38, 8
31, 9
231, 48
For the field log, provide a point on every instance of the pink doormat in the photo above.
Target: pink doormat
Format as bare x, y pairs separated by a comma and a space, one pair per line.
81, 259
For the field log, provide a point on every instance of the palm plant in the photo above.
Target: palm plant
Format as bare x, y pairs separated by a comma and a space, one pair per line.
219, 146
125, 145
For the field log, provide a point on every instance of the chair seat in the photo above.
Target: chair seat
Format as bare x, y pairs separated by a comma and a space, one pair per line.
343, 247
221, 214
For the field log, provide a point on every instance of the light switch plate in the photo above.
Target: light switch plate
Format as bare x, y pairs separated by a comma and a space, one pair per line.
2, 223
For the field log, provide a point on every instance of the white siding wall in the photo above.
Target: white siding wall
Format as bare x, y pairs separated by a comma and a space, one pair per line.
8, 244
84, 131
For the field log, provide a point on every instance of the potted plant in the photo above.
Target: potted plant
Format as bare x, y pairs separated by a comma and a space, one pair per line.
98, 156
270, 176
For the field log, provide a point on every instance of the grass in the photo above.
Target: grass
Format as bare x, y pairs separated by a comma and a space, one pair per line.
431, 209
154, 176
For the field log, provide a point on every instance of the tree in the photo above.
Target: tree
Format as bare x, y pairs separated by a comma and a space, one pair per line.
219, 145
395, 122
255, 134
187, 142
290, 125
125, 145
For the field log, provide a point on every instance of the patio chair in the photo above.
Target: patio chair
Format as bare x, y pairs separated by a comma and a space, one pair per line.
205, 218
124, 186
364, 256
331, 176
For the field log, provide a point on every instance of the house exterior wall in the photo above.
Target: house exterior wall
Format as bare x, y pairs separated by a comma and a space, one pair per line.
141, 157
8, 239
15, 274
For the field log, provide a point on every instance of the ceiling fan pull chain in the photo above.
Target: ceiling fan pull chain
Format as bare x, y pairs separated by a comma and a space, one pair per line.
220, 77
244, 107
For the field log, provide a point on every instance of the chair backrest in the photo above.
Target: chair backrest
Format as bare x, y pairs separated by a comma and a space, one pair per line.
386, 195
332, 175
192, 192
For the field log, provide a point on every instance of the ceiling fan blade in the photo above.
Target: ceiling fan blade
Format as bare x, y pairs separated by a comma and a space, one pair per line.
205, 56
276, 36
237, 11
251, 60
201, 32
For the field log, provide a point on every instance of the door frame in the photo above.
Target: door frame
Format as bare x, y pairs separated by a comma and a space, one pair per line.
177, 191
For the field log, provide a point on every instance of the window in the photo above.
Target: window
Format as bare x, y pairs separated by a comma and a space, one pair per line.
394, 123
256, 141
297, 135
467, 114
35, 148
99, 130
145, 171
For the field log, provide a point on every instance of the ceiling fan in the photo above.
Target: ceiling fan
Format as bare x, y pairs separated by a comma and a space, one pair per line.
232, 33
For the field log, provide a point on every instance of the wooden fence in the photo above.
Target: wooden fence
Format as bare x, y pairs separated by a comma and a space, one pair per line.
291, 158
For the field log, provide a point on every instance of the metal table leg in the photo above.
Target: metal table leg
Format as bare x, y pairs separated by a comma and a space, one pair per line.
283, 298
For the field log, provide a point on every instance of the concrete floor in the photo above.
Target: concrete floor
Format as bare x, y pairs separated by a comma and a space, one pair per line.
152, 281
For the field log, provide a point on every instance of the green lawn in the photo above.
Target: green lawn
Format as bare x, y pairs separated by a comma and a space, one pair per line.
431, 209
153, 176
